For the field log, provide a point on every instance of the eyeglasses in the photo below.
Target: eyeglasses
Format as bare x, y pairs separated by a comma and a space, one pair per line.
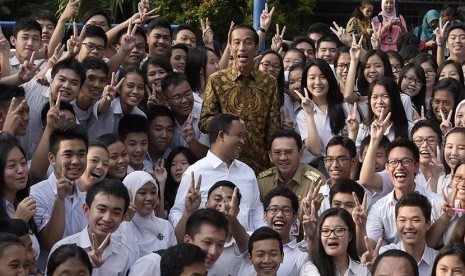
91, 47
339, 160
429, 140
268, 65
342, 66
274, 209
413, 80
458, 178
338, 232
280, 153
178, 98
406, 162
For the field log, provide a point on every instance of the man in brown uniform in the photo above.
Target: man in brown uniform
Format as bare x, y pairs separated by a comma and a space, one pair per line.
248, 93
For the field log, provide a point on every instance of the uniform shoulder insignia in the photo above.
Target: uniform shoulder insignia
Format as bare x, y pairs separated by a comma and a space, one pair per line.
266, 173
313, 176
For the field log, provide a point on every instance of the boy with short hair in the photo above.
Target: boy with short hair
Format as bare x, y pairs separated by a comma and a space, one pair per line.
137, 54
266, 251
27, 35
14, 110
133, 131
327, 48
341, 194
183, 259
106, 205
185, 34
47, 21
159, 37
161, 131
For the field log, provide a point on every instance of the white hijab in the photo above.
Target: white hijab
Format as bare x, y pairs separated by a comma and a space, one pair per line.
150, 231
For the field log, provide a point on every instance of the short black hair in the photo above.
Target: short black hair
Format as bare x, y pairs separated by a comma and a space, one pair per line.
346, 186
67, 132
66, 252
95, 11
404, 143
184, 27
17, 227
221, 122
206, 216
318, 28
96, 31
345, 142
131, 69
108, 139
427, 123
46, 108
8, 92
95, 64
173, 79
384, 143
159, 23
327, 38
70, 64
157, 61
454, 25
286, 133
265, 233
302, 39
396, 253
131, 124
46, 15
26, 24
415, 200
159, 111
176, 258
108, 187
6, 240
284, 192
225, 183
248, 27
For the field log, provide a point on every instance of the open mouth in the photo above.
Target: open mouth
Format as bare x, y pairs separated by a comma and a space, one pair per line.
96, 174
278, 225
400, 176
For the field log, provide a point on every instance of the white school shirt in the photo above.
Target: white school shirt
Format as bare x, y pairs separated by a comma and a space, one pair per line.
293, 261
229, 261
15, 64
354, 269
364, 131
149, 265
83, 116
425, 265
406, 103
381, 221
445, 185
117, 255
202, 138
213, 169
447, 234
108, 122
326, 204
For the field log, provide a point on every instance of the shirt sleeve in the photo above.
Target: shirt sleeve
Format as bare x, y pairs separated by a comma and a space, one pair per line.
210, 106
178, 207
374, 226
43, 210
149, 265
257, 208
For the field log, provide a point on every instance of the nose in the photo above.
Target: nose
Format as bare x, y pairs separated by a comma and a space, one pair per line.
75, 159
66, 84
213, 251
106, 216
164, 133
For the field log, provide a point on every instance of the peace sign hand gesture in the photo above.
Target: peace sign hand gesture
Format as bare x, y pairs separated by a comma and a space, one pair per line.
64, 185
359, 213
440, 32
307, 104
265, 18
369, 257
356, 49
351, 120
435, 164
230, 207
13, 116
446, 124
448, 205
96, 255
310, 206
159, 173
277, 40
381, 125
188, 131
376, 36
193, 197
341, 33
110, 90
128, 41
207, 33
27, 70
54, 116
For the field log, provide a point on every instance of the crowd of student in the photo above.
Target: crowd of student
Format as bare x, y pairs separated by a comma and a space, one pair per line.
138, 150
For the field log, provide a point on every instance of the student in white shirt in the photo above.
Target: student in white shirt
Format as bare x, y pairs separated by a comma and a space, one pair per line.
413, 219
26, 39
69, 259
454, 143
266, 251
152, 233
183, 259
119, 160
333, 251
133, 131
105, 207
395, 262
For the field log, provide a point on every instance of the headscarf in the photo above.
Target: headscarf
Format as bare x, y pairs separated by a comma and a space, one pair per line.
150, 231
426, 31
388, 16
460, 105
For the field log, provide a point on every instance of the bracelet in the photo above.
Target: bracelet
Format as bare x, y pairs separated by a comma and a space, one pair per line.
262, 29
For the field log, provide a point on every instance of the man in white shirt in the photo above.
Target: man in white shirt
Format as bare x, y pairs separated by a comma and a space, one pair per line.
227, 135
105, 207
26, 38
413, 219
402, 165
59, 202
281, 206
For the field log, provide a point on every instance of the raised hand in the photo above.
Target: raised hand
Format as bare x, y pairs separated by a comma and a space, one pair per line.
152, 99
54, 116
188, 131
4, 45
446, 124
71, 10
14, 116
341, 33
359, 213
277, 40
74, 43
96, 255
310, 209
56, 56
435, 163
128, 41
287, 122
440, 32
265, 18
356, 49
110, 90
369, 257
351, 120
230, 207
28, 69
26, 209
380, 125
207, 33
193, 197
130, 212
159, 172
376, 36
449, 204
307, 104
64, 185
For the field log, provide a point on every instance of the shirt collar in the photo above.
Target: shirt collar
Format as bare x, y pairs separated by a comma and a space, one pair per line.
215, 161
427, 257
297, 178
235, 73
355, 267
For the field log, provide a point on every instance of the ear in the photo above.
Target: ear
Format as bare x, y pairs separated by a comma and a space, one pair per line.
13, 40
187, 239
250, 258
428, 225
86, 209
51, 159
221, 134
270, 156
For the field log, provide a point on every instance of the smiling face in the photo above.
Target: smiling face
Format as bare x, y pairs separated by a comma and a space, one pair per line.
270, 63
68, 83
388, 6
402, 176
178, 167
266, 257
47, 29
243, 48
317, 84
26, 42
421, 138
155, 74
159, 40
187, 37
22, 116
333, 245
285, 155
281, 222
380, 101
71, 157
215, 200
91, 47
146, 199
456, 42
411, 84
442, 100
454, 149
15, 172
137, 146
161, 133
374, 68
137, 54
460, 117
459, 184
411, 225
290, 58
95, 82
449, 71
119, 160
132, 90
97, 165
211, 240
342, 67
178, 60
232, 141
341, 164
327, 50
450, 265
181, 107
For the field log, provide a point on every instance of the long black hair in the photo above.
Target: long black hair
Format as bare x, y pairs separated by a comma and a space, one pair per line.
419, 99
281, 72
334, 96
362, 83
